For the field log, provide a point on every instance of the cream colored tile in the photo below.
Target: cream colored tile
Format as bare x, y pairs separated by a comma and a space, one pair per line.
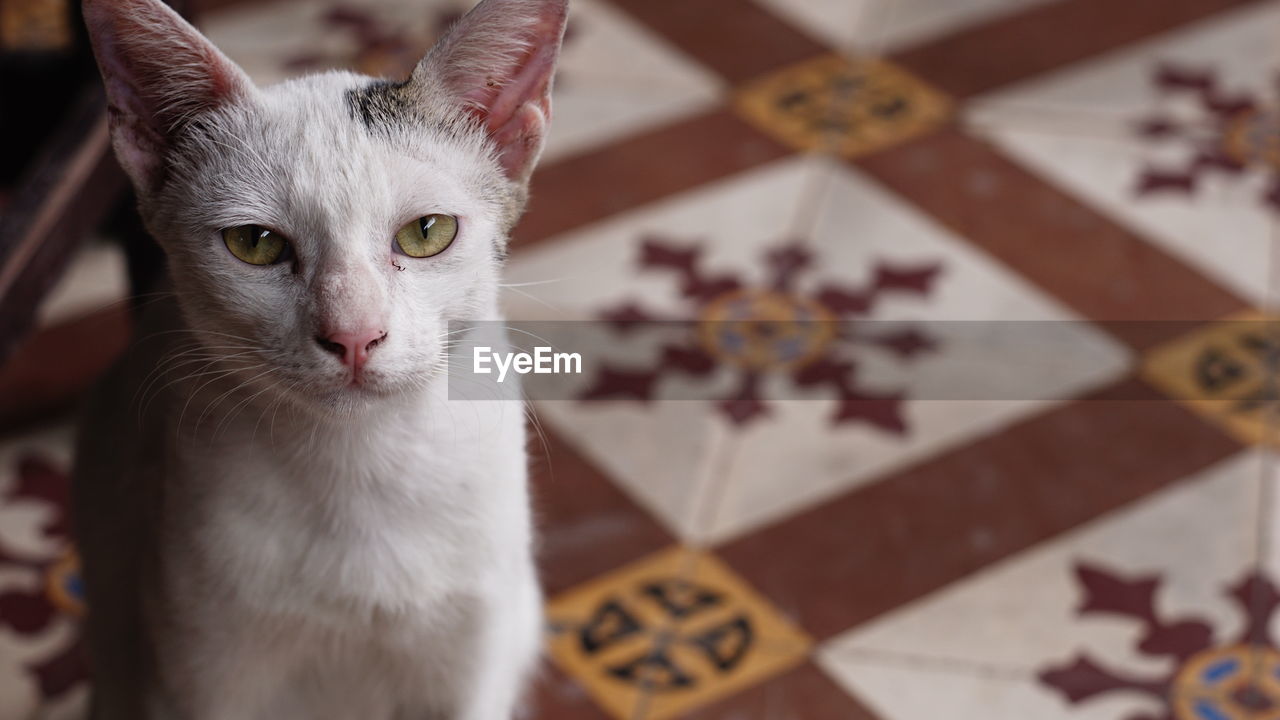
882, 25
981, 643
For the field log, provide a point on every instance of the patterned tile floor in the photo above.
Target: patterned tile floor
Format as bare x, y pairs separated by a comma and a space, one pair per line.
1101, 549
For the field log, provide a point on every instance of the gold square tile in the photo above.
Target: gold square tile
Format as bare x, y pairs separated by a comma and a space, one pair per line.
1226, 371
849, 107
669, 633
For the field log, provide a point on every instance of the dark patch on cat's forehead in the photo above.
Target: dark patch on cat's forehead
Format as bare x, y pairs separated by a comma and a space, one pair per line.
381, 105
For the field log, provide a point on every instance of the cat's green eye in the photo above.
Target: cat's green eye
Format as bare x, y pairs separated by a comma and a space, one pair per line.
255, 244
428, 235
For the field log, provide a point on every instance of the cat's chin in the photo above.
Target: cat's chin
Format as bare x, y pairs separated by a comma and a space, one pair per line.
345, 401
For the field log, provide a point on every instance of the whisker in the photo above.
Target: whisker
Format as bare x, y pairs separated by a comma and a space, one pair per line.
192, 395
226, 394
243, 403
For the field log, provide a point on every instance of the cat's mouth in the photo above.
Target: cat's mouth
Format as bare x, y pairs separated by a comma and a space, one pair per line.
363, 382
345, 387
344, 397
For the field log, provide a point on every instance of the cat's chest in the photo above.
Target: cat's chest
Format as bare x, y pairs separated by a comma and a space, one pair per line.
385, 523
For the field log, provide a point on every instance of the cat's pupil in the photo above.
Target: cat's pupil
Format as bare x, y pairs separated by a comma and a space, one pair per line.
424, 224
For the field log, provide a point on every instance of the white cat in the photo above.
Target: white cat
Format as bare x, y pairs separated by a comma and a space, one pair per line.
280, 513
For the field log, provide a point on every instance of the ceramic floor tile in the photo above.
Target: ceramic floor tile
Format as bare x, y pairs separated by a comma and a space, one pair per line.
885, 25
846, 107
1163, 137
279, 40
1224, 371
586, 525
668, 634
616, 78
1145, 596
805, 693
1044, 37
559, 697
913, 532
1093, 264
863, 244
738, 39
863, 549
41, 664
640, 169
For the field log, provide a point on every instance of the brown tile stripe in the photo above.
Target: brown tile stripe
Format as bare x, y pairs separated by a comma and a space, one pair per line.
806, 692
641, 169
638, 170
1046, 37
586, 525
53, 367
1094, 265
736, 38
888, 543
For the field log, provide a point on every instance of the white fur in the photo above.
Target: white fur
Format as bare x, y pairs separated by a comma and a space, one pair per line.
262, 539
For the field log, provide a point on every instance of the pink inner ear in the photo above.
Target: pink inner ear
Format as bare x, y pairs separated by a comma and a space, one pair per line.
519, 139
511, 99
159, 72
518, 115
530, 83
143, 78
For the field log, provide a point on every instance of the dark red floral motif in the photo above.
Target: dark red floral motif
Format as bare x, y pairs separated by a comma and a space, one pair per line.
772, 327
1230, 133
381, 48
1213, 678
57, 587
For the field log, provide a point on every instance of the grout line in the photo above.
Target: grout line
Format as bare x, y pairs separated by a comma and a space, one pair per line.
814, 196
959, 667
709, 495
936, 663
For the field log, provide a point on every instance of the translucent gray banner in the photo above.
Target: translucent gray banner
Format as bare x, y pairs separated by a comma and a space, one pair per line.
814, 360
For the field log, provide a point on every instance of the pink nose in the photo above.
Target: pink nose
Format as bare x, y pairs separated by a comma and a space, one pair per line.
352, 347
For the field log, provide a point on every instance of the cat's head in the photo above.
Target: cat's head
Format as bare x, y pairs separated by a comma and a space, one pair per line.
331, 226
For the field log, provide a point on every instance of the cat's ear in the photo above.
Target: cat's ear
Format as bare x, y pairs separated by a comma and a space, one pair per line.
160, 73
499, 61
